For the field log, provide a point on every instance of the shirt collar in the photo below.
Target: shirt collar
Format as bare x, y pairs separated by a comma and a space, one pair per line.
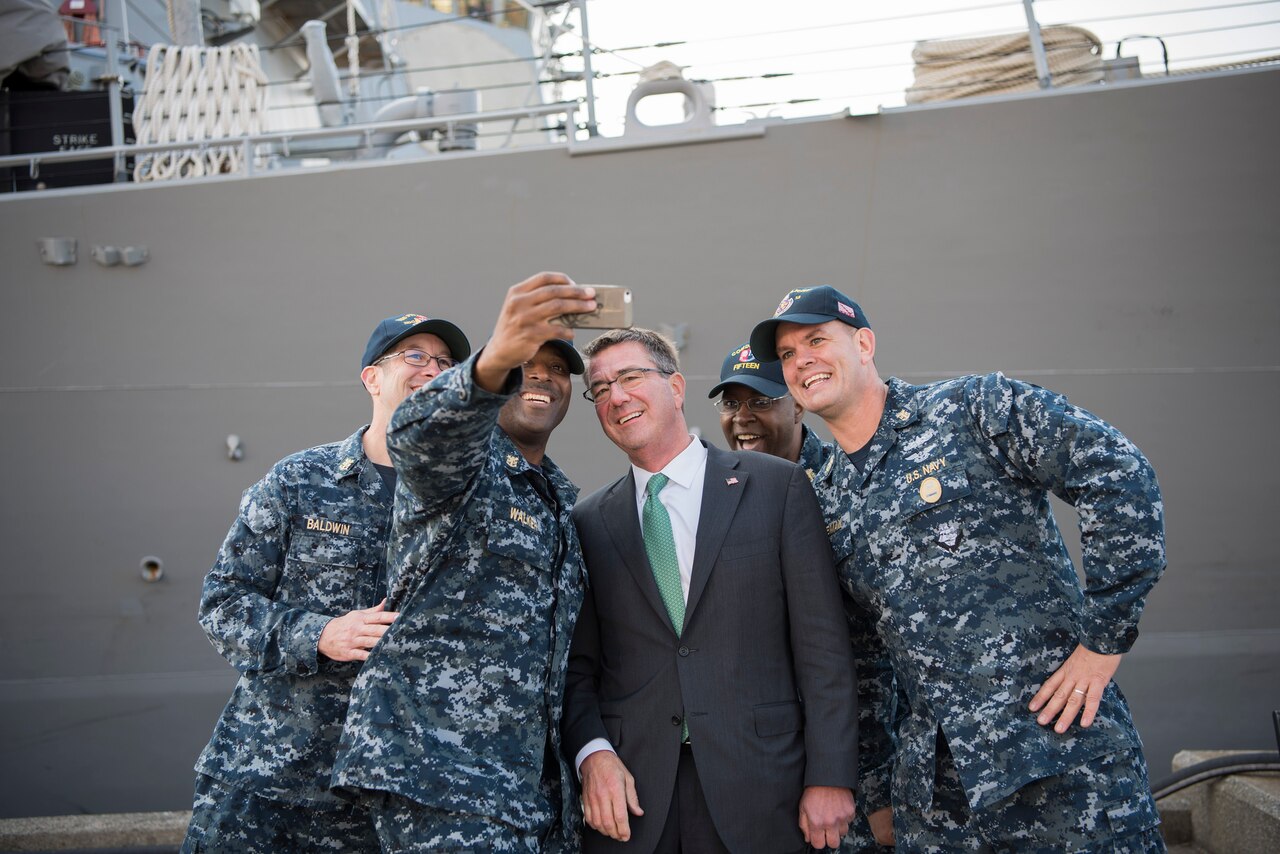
682, 470
900, 407
812, 452
350, 455
516, 464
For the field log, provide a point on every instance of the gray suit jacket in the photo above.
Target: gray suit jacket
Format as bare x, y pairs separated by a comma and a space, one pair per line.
762, 672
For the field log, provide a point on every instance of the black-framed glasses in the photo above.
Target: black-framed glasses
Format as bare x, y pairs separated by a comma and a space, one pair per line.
629, 380
728, 406
419, 359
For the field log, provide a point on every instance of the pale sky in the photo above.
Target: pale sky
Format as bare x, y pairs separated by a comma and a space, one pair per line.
858, 54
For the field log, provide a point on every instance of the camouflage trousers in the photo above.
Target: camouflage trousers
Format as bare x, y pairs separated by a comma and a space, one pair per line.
407, 826
1104, 805
228, 819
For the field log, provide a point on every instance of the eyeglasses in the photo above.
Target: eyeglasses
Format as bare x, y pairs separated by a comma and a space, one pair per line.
419, 359
629, 380
729, 406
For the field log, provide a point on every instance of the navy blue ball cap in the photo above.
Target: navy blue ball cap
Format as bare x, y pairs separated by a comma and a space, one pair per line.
393, 330
741, 367
571, 355
805, 306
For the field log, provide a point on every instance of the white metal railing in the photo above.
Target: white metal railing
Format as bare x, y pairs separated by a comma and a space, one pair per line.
827, 57
250, 143
116, 33
860, 65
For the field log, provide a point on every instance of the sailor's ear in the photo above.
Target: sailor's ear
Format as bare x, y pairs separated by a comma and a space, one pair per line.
372, 379
865, 340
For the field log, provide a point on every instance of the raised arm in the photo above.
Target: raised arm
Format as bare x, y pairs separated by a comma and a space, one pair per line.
437, 438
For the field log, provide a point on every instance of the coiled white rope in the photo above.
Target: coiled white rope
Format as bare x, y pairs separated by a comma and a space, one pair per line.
964, 68
199, 95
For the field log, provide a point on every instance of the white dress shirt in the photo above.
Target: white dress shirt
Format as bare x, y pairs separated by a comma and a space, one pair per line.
682, 496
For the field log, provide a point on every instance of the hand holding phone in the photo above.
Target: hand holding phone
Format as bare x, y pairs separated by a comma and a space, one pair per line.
613, 310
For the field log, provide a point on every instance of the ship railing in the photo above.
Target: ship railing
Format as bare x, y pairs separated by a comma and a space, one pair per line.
863, 62
282, 142
863, 73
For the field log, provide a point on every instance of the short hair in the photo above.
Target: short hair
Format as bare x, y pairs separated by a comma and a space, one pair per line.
660, 348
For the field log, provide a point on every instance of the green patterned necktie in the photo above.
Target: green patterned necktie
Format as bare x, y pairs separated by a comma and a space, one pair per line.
660, 545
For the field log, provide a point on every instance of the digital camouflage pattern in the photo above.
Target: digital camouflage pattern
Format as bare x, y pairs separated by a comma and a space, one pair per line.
875, 684
1101, 807
812, 451
459, 705
309, 544
947, 540
407, 826
226, 819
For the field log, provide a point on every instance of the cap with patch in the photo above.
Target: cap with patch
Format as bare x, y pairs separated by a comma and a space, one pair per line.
393, 330
741, 367
571, 355
805, 306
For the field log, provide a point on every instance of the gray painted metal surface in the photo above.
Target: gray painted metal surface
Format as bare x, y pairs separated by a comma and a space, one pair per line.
1120, 246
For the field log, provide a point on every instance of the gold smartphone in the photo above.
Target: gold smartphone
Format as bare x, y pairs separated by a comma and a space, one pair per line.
613, 310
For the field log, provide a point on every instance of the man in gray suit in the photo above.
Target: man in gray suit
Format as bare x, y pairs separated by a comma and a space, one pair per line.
710, 703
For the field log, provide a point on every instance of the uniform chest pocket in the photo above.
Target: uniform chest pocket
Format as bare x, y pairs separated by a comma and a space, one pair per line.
325, 550
323, 573
524, 535
940, 527
931, 533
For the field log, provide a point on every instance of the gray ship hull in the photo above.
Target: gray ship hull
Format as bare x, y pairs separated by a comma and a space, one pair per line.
1120, 246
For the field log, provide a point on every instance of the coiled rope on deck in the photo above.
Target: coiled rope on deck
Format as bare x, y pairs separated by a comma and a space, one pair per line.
199, 95
991, 65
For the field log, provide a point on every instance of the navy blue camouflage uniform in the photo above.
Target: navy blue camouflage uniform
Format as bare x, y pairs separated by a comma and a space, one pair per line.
309, 544
453, 732
946, 538
875, 692
813, 452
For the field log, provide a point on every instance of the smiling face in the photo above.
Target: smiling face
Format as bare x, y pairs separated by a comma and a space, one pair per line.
647, 421
393, 380
827, 366
775, 430
540, 405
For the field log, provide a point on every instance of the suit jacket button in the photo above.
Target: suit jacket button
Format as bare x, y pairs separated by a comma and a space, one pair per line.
675, 720
684, 650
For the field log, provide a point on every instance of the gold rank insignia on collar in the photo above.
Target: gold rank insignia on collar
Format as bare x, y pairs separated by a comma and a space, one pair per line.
513, 461
346, 464
828, 466
903, 415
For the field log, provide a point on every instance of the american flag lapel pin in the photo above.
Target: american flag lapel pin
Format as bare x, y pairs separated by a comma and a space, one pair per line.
730, 481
